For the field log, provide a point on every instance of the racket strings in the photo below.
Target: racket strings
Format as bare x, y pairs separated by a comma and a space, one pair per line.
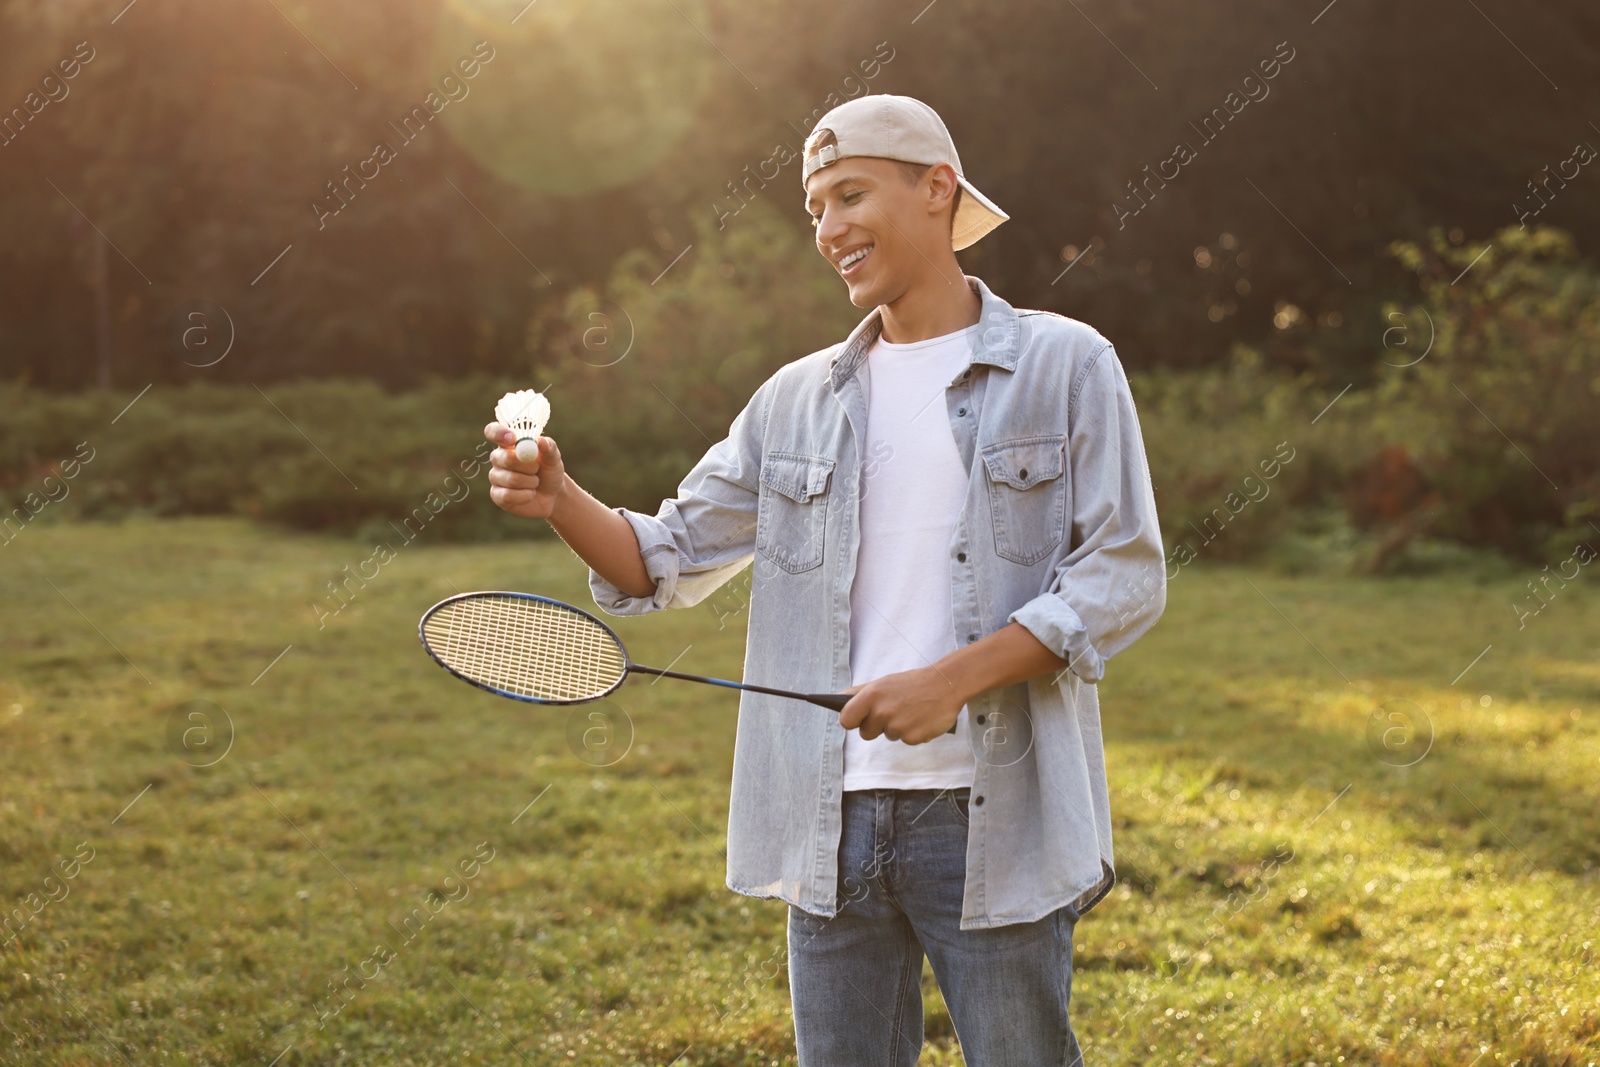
531, 648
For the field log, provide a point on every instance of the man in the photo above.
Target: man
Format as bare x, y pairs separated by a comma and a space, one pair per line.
950, 516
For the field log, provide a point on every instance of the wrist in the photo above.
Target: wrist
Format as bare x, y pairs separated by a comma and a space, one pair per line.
960, 672
560, 505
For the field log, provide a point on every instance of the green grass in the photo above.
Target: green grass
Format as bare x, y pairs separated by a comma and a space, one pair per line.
1439, 913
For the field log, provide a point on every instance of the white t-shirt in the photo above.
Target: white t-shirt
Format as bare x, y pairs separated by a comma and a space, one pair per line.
913, 486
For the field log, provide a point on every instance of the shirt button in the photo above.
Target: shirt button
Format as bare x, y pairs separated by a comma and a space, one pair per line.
971, 638
981, 718
1023, 473
977, 800
961, 557
961, 411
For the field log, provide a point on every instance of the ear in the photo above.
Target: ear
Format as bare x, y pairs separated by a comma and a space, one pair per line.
941, 187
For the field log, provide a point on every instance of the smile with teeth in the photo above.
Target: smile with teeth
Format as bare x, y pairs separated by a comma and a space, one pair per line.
847, 264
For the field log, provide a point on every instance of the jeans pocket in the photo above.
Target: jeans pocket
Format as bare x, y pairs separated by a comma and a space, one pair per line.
1027, 496
792, 510
958, 801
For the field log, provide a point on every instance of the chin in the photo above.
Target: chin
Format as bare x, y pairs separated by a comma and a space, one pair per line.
867, 297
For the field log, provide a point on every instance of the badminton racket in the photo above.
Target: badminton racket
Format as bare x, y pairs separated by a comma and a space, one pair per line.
542, 651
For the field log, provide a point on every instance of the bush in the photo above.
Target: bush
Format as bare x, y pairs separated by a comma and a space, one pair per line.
348, 458
1234, 458
1509, 453
326, 456
1484, 438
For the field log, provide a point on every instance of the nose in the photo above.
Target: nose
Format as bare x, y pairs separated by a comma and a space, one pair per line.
830, 230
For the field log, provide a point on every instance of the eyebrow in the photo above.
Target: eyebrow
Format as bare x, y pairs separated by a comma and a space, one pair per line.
830, 186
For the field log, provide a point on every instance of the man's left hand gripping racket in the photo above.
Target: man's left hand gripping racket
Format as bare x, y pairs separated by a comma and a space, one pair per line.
542, 651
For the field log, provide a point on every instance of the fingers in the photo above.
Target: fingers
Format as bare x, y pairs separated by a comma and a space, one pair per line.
873, 729
510, 499
872, 718
509, 479
862, 713
549, 452
854, 712
513, 483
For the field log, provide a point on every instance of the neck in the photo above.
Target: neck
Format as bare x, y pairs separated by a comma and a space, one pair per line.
938, 302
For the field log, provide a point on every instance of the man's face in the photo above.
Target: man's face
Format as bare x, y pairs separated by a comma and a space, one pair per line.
862, 204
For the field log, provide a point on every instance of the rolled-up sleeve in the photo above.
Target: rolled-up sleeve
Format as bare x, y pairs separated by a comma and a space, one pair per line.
705, 535
1111, 586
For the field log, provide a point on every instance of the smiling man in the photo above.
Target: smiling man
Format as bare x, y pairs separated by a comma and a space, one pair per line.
950, 517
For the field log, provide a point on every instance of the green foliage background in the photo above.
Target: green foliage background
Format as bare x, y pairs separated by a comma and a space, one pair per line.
201, 132
1474, 426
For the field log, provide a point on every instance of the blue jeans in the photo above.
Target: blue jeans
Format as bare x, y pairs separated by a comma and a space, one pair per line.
856, 978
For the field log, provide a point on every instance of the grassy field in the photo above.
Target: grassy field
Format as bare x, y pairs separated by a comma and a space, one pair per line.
1333, 846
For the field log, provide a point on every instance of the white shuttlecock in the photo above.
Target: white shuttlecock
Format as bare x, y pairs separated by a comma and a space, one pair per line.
526, 412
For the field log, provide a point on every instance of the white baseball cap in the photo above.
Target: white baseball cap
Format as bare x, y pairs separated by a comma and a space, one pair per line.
905, 129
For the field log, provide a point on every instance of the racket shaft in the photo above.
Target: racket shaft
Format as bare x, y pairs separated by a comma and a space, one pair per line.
835, 701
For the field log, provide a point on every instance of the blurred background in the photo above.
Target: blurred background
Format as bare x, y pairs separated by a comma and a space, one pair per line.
613, 202
268, 264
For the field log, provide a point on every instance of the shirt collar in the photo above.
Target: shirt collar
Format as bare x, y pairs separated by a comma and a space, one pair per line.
996, 344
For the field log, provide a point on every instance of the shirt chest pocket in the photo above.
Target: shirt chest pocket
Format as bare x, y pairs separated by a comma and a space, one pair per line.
1027, 496
792, 512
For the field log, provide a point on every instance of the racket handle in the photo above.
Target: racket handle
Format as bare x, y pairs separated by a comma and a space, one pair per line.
837, 701
831, 701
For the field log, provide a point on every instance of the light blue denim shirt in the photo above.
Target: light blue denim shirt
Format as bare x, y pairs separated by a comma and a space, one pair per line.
1058, 532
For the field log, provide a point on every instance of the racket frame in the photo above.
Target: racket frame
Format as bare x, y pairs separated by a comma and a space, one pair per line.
422, 635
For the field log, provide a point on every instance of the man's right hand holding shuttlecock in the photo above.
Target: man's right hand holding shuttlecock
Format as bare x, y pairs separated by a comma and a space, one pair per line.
529, 488
527, 478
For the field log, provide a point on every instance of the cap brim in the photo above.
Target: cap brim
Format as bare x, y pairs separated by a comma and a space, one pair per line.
976, 216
